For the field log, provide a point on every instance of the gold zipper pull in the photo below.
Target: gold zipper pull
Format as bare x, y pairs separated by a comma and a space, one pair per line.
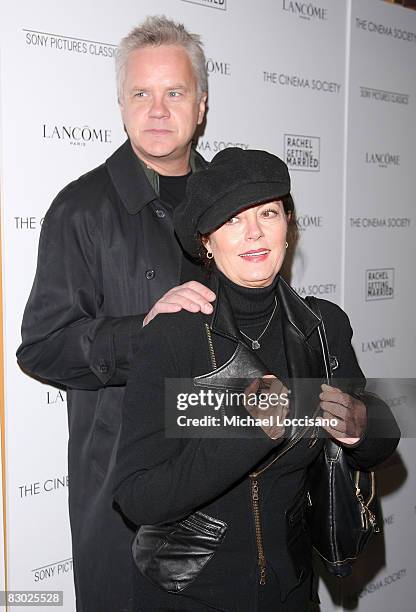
373, 522
262, 575
314, 436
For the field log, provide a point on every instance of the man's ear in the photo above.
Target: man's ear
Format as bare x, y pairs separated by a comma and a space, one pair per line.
202, 107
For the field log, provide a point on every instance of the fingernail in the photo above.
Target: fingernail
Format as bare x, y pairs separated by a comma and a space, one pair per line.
207, 308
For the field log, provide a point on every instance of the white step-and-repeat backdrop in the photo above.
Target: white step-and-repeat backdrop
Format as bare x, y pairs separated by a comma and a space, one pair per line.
330, 85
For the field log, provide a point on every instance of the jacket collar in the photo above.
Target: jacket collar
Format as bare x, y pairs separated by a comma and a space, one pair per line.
293, 308
136, 184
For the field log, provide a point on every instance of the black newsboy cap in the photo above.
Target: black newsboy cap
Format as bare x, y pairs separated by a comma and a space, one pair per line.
235, 179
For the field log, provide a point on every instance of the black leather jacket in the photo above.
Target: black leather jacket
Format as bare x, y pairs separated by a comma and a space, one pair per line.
237, 503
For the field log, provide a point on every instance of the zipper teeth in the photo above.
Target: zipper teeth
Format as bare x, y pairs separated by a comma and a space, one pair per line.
213, 358
256, 509
257, 524
211, 347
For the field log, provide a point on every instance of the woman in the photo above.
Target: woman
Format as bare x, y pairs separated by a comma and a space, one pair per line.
222, 518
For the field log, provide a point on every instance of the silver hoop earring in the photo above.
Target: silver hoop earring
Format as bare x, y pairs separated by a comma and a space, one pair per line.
210, 255
287, 244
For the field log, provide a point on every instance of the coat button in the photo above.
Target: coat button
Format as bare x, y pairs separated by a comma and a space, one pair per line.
150, 274
102, 367
160, 213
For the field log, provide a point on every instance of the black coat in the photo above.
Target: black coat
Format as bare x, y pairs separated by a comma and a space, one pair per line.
164, 479
107, 252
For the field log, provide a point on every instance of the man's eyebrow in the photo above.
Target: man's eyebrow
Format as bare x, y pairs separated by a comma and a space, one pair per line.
178, 86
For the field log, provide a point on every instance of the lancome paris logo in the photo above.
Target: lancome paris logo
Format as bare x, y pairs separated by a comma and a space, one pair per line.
217, 4
382, 160
302, 152
378, 345
215, 66
58, 42
76, 135
379, 284
306, 222
305, 10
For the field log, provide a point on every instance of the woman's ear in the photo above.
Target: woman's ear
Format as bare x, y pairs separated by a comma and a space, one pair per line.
206, 243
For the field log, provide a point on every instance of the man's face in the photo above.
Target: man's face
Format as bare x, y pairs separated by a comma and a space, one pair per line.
160, 105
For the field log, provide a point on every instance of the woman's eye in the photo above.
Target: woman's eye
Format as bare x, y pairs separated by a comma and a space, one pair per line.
232, 221
270, 212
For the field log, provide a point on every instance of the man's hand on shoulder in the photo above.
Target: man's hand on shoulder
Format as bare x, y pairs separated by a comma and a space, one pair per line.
191, 296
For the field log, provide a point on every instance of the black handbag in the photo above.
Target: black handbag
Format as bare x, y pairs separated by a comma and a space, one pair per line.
343, 511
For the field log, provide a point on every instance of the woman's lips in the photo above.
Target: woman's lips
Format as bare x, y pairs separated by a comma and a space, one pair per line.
255, 256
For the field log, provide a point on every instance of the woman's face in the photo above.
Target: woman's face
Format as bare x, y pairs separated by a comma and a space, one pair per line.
250, 247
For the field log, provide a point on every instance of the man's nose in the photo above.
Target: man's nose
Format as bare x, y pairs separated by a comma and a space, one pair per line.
159, 107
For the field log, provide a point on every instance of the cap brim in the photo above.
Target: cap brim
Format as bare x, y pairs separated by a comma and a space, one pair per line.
239, 199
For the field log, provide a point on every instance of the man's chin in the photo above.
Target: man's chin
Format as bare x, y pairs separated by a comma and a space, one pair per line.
160, 151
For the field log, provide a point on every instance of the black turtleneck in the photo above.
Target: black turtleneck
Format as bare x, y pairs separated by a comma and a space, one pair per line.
252, 309
172, 189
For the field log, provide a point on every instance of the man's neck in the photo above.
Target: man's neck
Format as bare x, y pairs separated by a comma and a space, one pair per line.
166, 166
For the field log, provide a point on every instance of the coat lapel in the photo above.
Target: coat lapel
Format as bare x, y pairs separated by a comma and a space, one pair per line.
299, 322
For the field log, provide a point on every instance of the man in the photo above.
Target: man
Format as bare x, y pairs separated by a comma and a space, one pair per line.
108, 263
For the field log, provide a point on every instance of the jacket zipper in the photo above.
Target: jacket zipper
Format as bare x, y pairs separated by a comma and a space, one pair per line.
213, 358
211, 347
255, 490
257, 524
255, 499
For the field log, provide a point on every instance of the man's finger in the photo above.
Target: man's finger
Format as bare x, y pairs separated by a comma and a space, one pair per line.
154, 311
188, 299
203, 290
